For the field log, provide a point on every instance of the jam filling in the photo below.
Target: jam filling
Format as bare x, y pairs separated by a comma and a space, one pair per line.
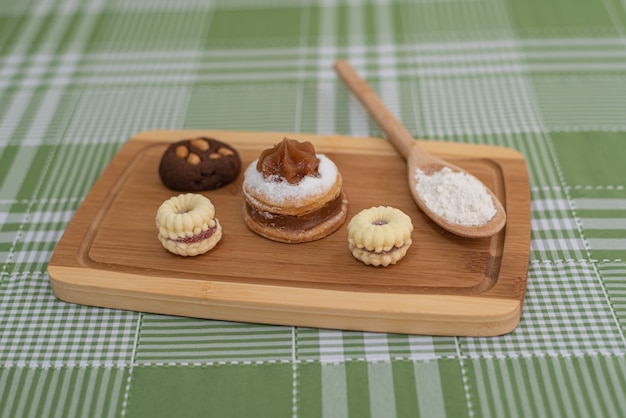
198, 237
297, 222
392, 249
289, 160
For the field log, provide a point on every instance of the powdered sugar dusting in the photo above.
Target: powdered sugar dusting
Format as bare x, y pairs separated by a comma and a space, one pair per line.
281, 192
458, 197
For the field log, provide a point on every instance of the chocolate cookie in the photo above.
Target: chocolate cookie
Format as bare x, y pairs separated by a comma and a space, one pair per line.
198, 164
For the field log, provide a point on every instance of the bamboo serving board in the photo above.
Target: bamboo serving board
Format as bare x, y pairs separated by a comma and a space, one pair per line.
110, 256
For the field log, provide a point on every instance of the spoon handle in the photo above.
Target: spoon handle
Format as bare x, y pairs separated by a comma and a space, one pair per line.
395, 132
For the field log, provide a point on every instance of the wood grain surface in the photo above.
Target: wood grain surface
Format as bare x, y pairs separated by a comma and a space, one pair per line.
109, 255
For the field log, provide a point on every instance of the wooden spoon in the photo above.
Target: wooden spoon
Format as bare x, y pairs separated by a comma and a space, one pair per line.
415, 156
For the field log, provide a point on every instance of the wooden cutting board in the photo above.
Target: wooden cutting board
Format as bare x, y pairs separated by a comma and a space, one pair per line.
109, 255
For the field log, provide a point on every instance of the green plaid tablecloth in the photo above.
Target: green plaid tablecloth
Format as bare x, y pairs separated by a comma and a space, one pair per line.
547, 77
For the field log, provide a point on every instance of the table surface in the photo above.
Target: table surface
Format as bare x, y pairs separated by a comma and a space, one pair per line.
547, 78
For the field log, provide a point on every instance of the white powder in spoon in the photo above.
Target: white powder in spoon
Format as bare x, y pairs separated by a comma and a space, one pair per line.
458, 197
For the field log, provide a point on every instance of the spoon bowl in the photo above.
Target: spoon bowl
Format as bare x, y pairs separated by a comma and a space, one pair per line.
491, 227
416, 157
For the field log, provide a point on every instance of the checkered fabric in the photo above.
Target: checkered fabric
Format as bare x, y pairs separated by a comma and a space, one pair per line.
546, 77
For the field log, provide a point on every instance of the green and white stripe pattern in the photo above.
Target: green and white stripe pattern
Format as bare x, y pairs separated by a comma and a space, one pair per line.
548, 78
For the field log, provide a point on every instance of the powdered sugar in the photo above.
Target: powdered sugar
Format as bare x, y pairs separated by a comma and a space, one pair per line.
282, 193
458, 197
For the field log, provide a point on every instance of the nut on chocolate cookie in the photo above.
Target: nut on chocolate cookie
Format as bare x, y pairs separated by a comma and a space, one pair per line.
194, 165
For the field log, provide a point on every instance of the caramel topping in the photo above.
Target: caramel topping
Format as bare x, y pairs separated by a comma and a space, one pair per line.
290, 160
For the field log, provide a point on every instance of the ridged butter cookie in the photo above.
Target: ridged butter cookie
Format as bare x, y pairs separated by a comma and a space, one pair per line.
187, 225
380, 236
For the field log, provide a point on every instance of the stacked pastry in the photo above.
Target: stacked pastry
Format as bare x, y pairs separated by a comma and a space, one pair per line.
292, 194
